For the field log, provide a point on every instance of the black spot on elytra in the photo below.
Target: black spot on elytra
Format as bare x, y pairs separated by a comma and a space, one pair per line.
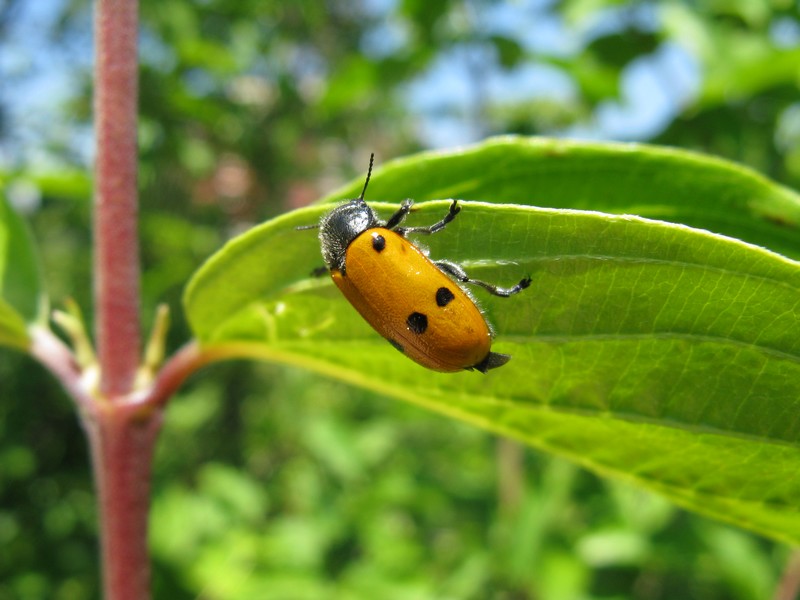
417, 322
378, 242
444, 296
397, 345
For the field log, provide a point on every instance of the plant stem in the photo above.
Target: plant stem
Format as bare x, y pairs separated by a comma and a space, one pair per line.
116, 263
122, 428
53, 354
123, 440
510, 475
789, 584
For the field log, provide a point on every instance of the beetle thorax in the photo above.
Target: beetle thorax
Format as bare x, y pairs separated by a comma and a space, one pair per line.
341, 226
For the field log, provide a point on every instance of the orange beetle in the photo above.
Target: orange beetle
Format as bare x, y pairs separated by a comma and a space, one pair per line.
410, 300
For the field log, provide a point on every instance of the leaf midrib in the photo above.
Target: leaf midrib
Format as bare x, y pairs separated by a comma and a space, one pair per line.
510, 402
666, 335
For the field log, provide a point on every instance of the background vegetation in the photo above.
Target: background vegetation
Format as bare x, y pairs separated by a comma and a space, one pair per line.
269, 477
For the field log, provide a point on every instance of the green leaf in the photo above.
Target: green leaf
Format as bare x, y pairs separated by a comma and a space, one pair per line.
738, 63
12, 328
650, 351
21, 296
62, 183
509, 51
649, 181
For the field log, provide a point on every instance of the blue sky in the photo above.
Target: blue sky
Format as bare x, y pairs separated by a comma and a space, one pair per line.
646, 106
37, 77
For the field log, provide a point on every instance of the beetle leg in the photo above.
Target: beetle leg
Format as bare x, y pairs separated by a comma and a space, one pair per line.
458, 273
400, 215
451, 214
319, 272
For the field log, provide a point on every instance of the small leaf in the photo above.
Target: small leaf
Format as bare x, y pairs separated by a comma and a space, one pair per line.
12, 328
509, 51
647, 350
20, 278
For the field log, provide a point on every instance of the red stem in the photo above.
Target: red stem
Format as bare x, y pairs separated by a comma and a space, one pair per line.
122, 422
58, 358
122, 433
115, 225
123, 439
789, 585
190, 358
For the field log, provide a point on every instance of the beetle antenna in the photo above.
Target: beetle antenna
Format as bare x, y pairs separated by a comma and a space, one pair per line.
369, 172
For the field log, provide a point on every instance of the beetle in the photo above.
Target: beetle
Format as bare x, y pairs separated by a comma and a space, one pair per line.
417, 304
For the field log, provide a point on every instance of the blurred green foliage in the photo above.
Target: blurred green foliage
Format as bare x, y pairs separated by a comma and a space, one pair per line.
273, 483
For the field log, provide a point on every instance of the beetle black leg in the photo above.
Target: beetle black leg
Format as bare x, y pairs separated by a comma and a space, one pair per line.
319, 272
400, 215
458, 273
451, 214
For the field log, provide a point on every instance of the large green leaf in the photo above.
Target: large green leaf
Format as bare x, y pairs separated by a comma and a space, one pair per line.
649, 181
21, 296
651, 351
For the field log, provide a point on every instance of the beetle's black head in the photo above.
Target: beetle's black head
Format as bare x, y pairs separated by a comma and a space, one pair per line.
341, 226
344, 224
